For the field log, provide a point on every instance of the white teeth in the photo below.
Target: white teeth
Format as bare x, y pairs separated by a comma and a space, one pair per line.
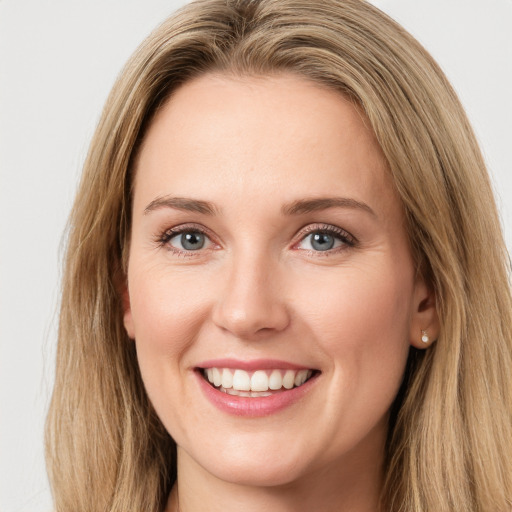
289, 379
252, 394
241, 380
275, 381
217, 377
300, 377
260, 383
227, 378
260, 393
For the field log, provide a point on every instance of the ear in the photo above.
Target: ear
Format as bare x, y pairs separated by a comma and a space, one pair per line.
424, 317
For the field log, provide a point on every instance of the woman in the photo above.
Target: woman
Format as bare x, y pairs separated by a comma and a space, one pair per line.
286, 285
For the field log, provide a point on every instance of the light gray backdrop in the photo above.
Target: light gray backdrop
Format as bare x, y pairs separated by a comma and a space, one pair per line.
58, 60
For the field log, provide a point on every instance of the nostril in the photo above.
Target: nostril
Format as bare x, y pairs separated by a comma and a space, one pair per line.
251, 303
252, 322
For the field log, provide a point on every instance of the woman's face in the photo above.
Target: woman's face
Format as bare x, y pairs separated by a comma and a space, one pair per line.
268, 246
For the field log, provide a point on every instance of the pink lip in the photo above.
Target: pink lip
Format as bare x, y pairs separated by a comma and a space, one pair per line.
256, 406
249, 366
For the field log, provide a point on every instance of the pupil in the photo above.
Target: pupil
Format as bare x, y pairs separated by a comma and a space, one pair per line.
322, 242
192, 241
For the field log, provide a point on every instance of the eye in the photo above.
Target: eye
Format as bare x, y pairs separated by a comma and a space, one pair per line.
326, 238
189, 241
185, 239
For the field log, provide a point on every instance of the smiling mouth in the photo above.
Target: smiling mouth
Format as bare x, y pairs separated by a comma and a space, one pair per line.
259, 383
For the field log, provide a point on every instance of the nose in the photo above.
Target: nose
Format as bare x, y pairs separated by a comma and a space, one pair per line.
251, 303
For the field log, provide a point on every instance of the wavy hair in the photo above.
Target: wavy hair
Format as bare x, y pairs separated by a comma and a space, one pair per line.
449, 443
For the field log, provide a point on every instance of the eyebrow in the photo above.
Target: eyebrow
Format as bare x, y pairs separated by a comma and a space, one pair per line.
298, 207
303, 206
182, 203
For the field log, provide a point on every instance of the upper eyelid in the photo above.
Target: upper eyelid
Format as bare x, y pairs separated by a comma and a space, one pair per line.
309, 228
328, 228
183, 228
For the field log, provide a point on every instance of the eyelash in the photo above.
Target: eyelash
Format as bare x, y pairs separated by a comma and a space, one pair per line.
346, 238
166, 236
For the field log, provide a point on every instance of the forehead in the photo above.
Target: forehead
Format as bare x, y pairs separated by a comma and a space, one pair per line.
221, 138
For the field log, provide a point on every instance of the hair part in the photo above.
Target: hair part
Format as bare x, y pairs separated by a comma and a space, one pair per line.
450, 436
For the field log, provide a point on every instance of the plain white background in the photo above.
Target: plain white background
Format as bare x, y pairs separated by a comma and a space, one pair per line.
58, 60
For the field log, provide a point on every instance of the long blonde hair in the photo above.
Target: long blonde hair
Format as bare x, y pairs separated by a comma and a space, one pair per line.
449, 446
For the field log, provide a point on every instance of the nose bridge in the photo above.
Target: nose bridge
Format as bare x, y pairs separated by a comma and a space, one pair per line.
251, 301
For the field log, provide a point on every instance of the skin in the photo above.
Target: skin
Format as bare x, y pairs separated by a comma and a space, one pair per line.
259, 289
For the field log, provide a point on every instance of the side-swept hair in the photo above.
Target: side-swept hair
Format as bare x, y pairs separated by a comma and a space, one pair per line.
449, 445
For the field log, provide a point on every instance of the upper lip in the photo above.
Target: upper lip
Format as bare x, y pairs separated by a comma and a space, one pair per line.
255, 364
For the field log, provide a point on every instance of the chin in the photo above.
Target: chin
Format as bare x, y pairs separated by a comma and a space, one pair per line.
251, 467
263, 473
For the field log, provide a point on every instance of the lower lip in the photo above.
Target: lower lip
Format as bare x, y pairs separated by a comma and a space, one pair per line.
254, 406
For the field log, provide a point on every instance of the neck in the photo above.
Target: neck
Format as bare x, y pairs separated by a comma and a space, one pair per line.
353, 486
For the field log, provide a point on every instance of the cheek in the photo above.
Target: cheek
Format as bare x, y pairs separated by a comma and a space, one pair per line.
361, 321
166, 309
360, 306
168, 313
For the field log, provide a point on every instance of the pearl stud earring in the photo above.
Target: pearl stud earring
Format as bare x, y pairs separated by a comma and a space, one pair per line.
424, 336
